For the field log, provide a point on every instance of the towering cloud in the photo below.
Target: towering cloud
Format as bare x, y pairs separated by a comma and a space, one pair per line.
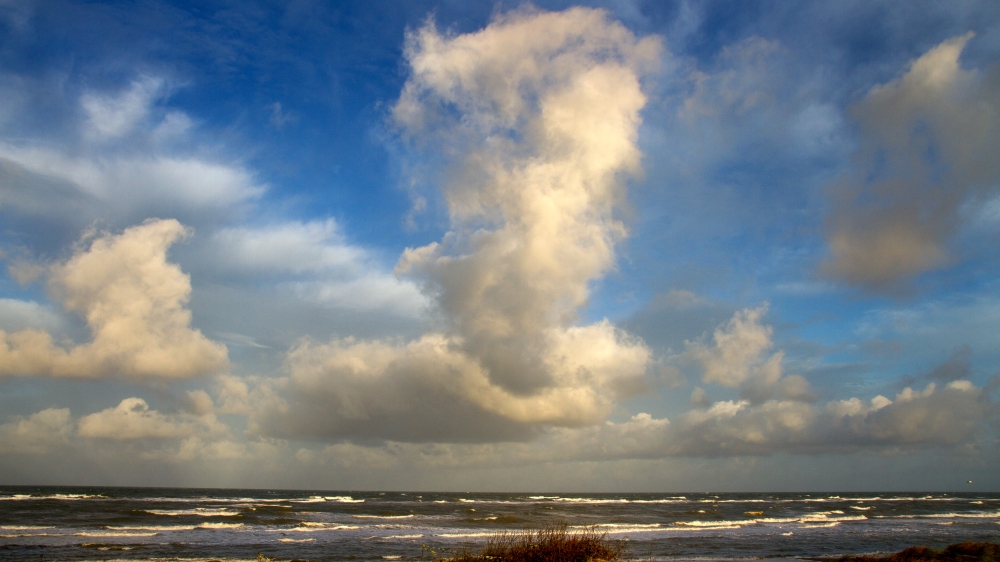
134, 302
535, 118
928, 146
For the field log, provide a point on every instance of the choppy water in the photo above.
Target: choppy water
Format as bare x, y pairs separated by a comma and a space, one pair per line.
48, 523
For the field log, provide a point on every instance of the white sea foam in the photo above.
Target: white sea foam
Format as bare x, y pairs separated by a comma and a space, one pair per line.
974, 515
391, 557
320, 499
220, 525
625, 526
345, 499
716, 524
822, 517
296, 540
736, 501
590, 500
151, 528
198, 511
63, 497
312, 527
402, 537
23, 527
114, 534
667, 500
383, 516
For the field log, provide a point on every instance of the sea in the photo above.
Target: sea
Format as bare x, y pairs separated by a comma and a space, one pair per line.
61, 523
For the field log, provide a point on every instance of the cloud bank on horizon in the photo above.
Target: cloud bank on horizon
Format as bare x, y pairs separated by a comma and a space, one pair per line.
626, 244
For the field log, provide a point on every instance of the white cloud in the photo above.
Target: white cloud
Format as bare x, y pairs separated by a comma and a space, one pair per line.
132, 428
427, 389
538, 116
932, 418
133, 420
737, 357
18, 315
132, 160
928, 146
37, 433
133, 301
117, 115
129, 183
736, 348
313, 261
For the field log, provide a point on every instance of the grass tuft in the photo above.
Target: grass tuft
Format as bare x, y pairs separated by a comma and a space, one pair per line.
551, 544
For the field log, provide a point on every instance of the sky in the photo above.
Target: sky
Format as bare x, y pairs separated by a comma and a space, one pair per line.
614, 246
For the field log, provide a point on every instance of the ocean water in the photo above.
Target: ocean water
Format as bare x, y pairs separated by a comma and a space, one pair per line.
57, 523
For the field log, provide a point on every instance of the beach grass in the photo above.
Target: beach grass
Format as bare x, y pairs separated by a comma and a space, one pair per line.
961, 552
549, 544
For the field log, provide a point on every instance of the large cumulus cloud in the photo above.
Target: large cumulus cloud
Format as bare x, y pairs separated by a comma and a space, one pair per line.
536, 118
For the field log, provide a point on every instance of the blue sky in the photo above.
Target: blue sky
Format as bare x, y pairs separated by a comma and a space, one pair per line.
604, 246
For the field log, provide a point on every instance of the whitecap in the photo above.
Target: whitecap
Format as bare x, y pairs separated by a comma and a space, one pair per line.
199, 511
112, 534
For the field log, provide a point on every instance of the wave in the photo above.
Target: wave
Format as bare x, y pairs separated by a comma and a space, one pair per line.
974, 515
106, 546
64, 497
400, 537
717, 524
311, 527
676, 499
152, 528
198, 511
824, 517
622, 526
321, 499
591, 500
383, 516
667, 500
296, 540
114, 534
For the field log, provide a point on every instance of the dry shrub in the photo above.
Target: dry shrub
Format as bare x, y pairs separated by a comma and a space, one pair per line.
551, 544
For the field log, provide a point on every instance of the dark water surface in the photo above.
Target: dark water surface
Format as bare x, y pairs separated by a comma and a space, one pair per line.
60, 523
